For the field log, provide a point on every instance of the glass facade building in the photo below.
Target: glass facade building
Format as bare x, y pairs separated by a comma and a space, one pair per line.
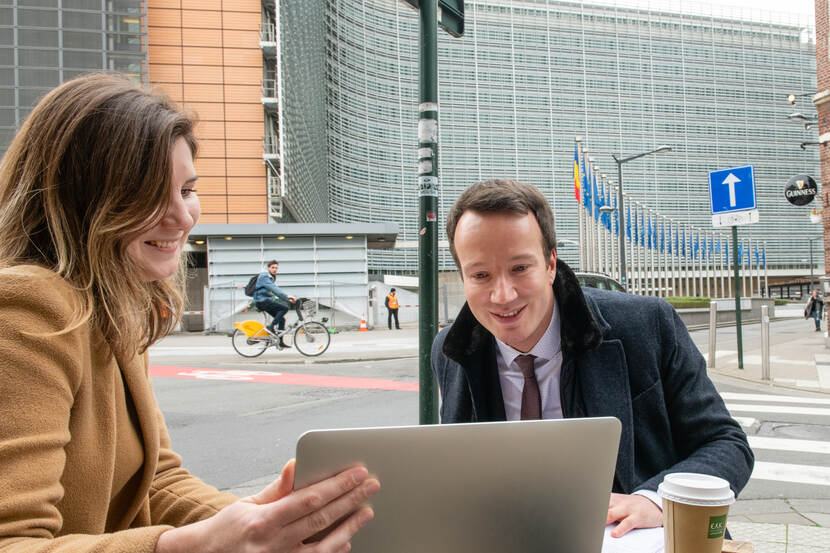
46, 42
528, 76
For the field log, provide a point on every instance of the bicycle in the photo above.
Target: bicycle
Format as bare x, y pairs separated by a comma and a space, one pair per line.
311, 338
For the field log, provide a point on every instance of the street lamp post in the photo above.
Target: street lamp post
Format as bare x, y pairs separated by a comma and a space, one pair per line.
621, 212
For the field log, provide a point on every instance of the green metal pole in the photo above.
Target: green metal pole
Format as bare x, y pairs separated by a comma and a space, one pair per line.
428, 209
735, 262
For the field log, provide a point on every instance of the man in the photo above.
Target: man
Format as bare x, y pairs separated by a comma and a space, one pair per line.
266, 290
392, 309
594, 353
814, 307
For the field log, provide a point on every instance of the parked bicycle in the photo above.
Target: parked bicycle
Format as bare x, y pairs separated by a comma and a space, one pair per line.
311, 338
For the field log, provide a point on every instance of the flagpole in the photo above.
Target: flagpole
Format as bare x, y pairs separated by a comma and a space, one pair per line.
579, 210
766, 273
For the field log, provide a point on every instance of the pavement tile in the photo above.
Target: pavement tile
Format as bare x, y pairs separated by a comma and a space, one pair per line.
807, 548
748, 506
791, 518
769, 547
809, 535
736, 518
805, 505
758, 532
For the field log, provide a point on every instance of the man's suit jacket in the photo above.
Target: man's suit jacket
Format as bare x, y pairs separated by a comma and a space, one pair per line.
624, 356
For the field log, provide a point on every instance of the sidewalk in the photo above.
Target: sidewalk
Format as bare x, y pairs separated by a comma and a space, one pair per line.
773, 525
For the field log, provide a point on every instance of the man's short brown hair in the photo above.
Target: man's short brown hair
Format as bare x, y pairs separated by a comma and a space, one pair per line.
503, 196
273, 262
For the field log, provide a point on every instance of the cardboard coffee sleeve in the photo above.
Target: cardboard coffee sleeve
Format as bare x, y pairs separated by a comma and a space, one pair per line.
695, 507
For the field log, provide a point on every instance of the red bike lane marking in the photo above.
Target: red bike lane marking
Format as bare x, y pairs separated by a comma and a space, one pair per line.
292, 379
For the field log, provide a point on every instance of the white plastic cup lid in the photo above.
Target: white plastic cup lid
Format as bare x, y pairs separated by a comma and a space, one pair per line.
696, 489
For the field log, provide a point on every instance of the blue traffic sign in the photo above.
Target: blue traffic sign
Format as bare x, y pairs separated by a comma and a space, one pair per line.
732, 189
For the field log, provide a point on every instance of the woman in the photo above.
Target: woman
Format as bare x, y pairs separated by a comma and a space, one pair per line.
96, 201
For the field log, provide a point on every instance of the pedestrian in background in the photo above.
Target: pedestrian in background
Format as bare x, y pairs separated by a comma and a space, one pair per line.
814, 308
97, 199
392, 309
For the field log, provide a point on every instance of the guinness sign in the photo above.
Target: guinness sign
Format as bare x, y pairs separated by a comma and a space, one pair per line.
800, 190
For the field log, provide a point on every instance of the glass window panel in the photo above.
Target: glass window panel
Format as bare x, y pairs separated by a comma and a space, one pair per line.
32, 37
6, 117
6, 97
39, 77
79, 39
6, 135
35, 58
82, 4
30, 96
6, 16
6, 56
124, 43
37, 18
81, 20
38, 3
90, 60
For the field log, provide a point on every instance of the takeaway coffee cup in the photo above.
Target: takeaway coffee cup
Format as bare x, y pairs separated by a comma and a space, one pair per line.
694, 512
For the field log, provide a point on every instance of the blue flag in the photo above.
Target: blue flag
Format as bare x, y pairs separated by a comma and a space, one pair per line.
628, 221
717, 248
697, 245
642, 230
616, 218
597, 197
726, 252
586, 190
757, 257
741, 253
662, 236
683, 243
764, 257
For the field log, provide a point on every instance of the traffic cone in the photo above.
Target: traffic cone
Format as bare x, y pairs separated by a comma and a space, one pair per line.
363, 327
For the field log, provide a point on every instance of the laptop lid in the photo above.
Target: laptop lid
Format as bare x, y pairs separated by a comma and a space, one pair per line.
522, 486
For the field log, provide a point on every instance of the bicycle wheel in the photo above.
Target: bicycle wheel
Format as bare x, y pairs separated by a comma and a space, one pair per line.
249, 347
312, 338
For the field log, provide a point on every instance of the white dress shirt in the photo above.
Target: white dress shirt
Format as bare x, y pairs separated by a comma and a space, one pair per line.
547, 365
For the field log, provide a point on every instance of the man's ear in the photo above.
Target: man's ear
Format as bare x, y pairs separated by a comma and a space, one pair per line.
552, 266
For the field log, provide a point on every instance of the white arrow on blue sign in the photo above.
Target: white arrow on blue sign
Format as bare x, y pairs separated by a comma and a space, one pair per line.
732, 189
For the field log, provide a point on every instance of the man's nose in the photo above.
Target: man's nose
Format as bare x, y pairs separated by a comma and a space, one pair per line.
503, 290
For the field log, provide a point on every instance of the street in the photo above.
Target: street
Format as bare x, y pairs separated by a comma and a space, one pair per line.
235, 421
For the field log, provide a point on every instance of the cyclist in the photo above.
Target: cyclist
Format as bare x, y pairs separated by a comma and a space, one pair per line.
266, 298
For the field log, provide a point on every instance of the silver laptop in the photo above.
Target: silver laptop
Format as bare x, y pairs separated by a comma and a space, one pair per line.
500, 487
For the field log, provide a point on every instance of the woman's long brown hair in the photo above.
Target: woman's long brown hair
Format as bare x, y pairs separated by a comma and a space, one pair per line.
88, 172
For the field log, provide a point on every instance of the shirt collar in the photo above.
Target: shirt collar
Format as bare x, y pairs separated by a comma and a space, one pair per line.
548, 346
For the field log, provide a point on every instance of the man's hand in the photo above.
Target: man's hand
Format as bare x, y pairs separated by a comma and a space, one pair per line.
292, 299
632, 511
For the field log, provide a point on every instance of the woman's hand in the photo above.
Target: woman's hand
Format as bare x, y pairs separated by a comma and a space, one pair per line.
277, 520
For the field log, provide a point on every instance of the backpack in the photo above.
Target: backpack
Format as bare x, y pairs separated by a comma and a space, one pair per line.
250, 288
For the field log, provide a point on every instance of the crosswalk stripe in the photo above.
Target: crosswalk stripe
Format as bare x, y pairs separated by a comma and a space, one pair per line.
788, 444
773, 399
783, 409
785, 472
746, 422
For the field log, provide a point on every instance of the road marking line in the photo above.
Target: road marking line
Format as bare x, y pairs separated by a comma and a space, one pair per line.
283, 378
788, 444
786, 409
773, 399
786, 472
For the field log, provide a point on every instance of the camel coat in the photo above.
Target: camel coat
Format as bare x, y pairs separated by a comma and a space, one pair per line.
85, 458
